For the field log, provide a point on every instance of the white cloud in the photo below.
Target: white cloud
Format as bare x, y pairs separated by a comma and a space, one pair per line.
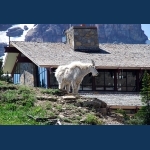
5, 39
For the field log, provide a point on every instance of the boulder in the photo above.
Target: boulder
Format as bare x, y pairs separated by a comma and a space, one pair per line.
96, 103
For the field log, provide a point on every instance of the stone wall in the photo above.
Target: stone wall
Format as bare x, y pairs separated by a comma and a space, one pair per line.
83, 38
28, 74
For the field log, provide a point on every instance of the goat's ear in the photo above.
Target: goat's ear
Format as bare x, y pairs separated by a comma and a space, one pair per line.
93, 63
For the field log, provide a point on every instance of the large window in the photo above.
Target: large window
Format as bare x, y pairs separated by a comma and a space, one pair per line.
121, 80
126, 80
86, 83
42, 77
105, 80
100, 80
109, 80
131, 80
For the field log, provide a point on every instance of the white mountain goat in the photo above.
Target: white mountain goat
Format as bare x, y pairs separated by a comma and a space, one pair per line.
73, 74
62, 82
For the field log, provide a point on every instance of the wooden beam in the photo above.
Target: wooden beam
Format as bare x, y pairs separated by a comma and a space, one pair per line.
24, 60
11, 50
124, 107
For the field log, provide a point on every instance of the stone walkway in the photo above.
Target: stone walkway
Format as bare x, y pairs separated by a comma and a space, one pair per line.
117, 99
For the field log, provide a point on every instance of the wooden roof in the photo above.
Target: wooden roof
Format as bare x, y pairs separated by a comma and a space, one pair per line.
131, 56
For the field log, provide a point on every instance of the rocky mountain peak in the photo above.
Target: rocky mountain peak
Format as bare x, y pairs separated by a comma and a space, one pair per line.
108, 33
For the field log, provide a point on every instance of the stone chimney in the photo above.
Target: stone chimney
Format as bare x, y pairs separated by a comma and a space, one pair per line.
82, 38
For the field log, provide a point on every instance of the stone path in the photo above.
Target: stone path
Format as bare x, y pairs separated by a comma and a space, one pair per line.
117, 99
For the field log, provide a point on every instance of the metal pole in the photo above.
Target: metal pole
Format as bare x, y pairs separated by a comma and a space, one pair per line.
9, 41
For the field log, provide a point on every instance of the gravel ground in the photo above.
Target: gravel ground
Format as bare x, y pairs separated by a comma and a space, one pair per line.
117, 99
111, 121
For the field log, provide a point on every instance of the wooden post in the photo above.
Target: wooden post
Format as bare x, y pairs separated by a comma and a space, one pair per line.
115, 80
48, 78
137, 81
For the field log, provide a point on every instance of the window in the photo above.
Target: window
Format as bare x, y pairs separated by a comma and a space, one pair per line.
109, 80
87, 82
126, 80
16, 76
131, 80
105, 80
42, 77
121, 80
99, 80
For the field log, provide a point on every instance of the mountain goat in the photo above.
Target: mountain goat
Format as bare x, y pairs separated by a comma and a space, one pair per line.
73, 74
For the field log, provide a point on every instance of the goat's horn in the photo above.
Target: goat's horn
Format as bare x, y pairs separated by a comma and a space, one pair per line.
93, 62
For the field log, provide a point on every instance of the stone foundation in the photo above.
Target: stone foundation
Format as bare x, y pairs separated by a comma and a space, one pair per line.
28, 74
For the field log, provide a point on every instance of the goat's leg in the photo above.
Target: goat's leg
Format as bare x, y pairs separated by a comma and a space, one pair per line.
68, 88
75, 88
61, 86
78, 87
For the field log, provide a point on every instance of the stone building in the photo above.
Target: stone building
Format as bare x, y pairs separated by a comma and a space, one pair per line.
120, 66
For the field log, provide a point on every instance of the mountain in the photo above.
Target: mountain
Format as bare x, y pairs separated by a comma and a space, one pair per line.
148, 41
108, 33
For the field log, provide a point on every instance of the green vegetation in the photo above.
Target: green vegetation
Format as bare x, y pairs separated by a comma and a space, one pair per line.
93, 120
1, 71
16, 104
142, 117
52, 91
122, 112
144, 113
2, 77
20, 106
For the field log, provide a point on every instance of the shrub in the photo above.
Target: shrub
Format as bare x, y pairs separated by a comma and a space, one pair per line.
135, 121
93, 120
121, 111
53, 92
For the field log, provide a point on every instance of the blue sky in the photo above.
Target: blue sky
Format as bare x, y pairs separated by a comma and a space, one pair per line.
146, 28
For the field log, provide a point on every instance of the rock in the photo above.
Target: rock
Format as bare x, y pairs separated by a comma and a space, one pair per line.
103, 111
54, 122
96, 103
50, 98
83, 119
69, 97
15, 32
61, 116
119, 117
98, 114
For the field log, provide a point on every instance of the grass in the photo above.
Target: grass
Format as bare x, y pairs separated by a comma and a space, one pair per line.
52, 91
13, 115
19, 106
16, 104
